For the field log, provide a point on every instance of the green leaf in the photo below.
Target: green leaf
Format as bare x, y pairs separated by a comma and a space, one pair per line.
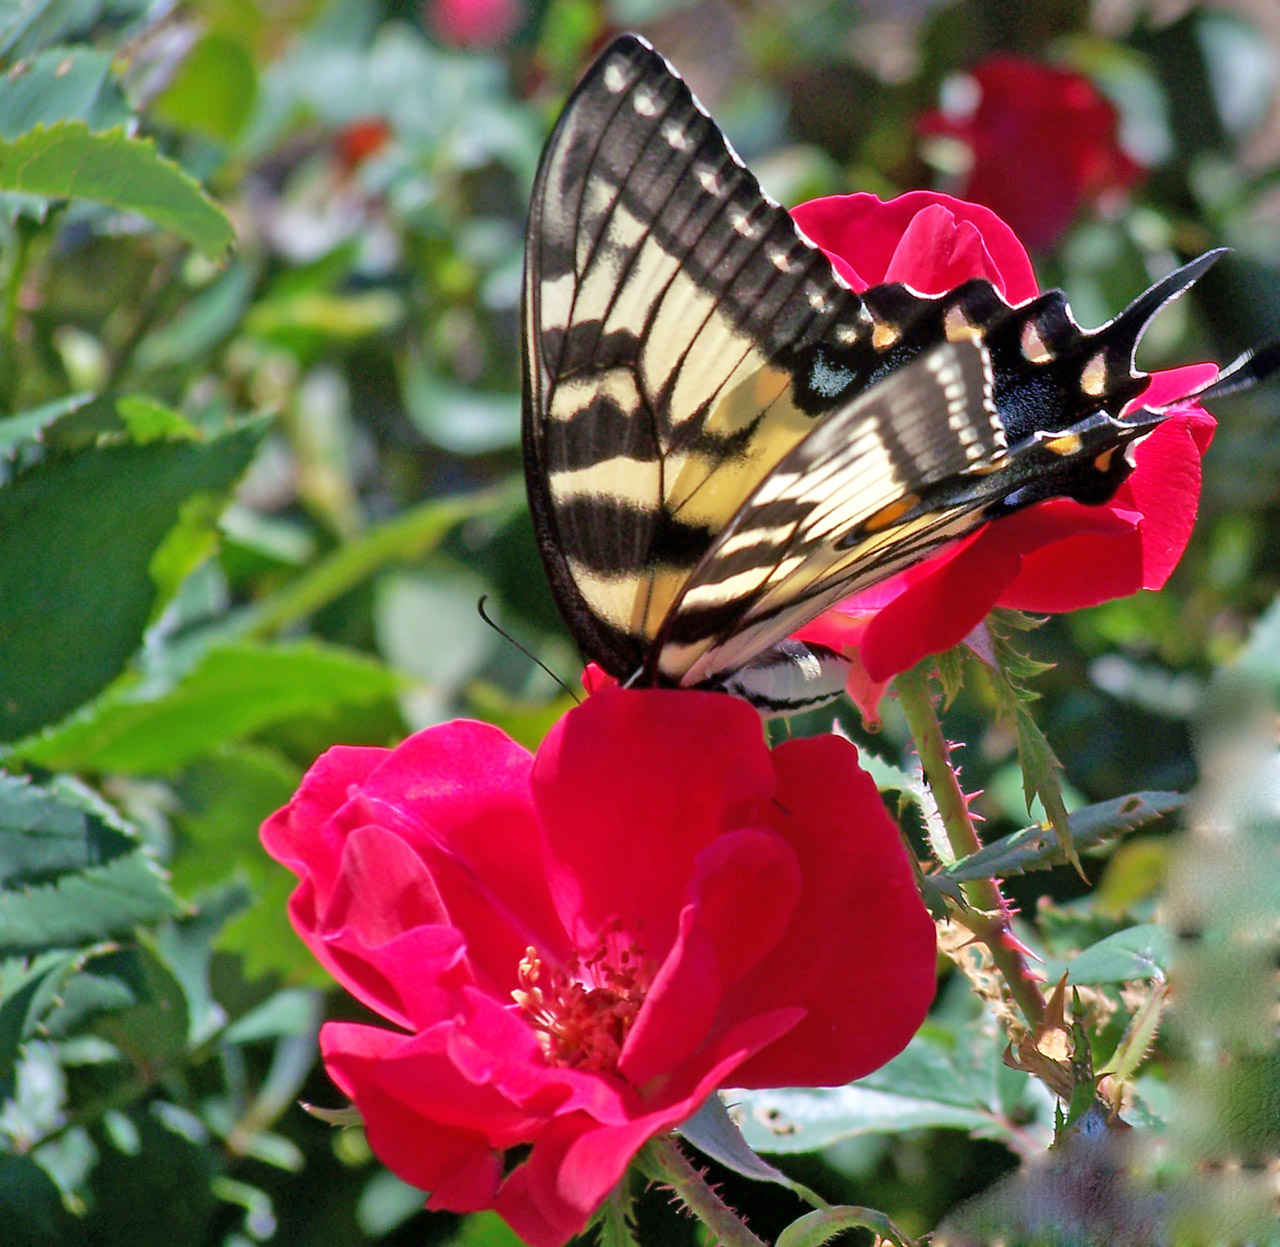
1138, 1038
1141, 952
150, 421
1041, 777
153, 1030
27, 426
892, 778
234, 691
1037, 847
98, 904
68, 161
1009, 677
27, 993
947, 1077
485, 1229
386, 1203
211, 316
459, 420
30, 1205
224, 799
713, 1131
106, 983
71, 873
61, 84
214, 90
616, 1220
54, 830
816, 1228
80, 536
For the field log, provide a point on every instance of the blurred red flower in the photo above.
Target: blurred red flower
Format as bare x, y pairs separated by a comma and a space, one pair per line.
578, 948
1042, 141
1055, 556
356, 142
474, 23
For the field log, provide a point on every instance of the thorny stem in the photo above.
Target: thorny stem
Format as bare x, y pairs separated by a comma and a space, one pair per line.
988, 917
661, 1160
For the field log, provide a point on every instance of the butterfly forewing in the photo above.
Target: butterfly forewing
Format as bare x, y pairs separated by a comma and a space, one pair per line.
670, 310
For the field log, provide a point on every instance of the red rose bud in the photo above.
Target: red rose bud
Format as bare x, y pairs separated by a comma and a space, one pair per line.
577, 948
1042, 142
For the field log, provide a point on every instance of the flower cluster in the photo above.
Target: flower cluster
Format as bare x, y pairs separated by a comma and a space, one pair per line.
1058, 555
579, 947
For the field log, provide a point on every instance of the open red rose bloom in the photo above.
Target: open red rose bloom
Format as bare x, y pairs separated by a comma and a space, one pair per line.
1055, 556
578, 948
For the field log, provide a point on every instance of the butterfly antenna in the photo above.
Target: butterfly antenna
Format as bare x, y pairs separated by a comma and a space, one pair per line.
532, 657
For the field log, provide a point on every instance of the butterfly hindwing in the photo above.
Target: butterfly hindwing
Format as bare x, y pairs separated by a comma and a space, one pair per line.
847, 506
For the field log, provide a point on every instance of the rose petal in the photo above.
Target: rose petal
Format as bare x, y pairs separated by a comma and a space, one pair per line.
866, 978
862, 235
459, 795
621, 847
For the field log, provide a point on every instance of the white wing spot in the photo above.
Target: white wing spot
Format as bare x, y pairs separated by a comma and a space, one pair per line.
676, 136
884, 336
817, 300
707, 177
846, 335
644, 103
740, 221
615, 77
1034, 347
959, 327
779, 259
1093, 380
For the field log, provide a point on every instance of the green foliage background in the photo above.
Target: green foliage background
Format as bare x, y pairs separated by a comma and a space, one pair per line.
259, 460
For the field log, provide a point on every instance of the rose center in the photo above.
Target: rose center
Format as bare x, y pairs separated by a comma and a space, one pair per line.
583, 1009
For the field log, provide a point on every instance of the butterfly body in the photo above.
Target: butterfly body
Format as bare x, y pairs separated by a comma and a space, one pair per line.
722, 438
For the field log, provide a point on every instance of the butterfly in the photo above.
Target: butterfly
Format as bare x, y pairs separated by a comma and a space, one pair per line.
722, 439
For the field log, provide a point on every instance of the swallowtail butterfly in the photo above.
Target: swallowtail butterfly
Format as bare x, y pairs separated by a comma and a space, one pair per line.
722, 439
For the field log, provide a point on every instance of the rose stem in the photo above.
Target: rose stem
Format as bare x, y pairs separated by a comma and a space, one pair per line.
988, 917
661, 1160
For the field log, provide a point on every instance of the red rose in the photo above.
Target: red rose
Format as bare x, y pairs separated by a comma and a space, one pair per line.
474, 23
578, 948
1055, 556
1043, 141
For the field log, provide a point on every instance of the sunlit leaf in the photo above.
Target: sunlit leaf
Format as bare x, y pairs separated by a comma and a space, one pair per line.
232, 692
214, 90
67, 160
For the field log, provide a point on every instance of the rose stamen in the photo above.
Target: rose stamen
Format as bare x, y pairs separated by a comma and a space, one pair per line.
583, 1008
